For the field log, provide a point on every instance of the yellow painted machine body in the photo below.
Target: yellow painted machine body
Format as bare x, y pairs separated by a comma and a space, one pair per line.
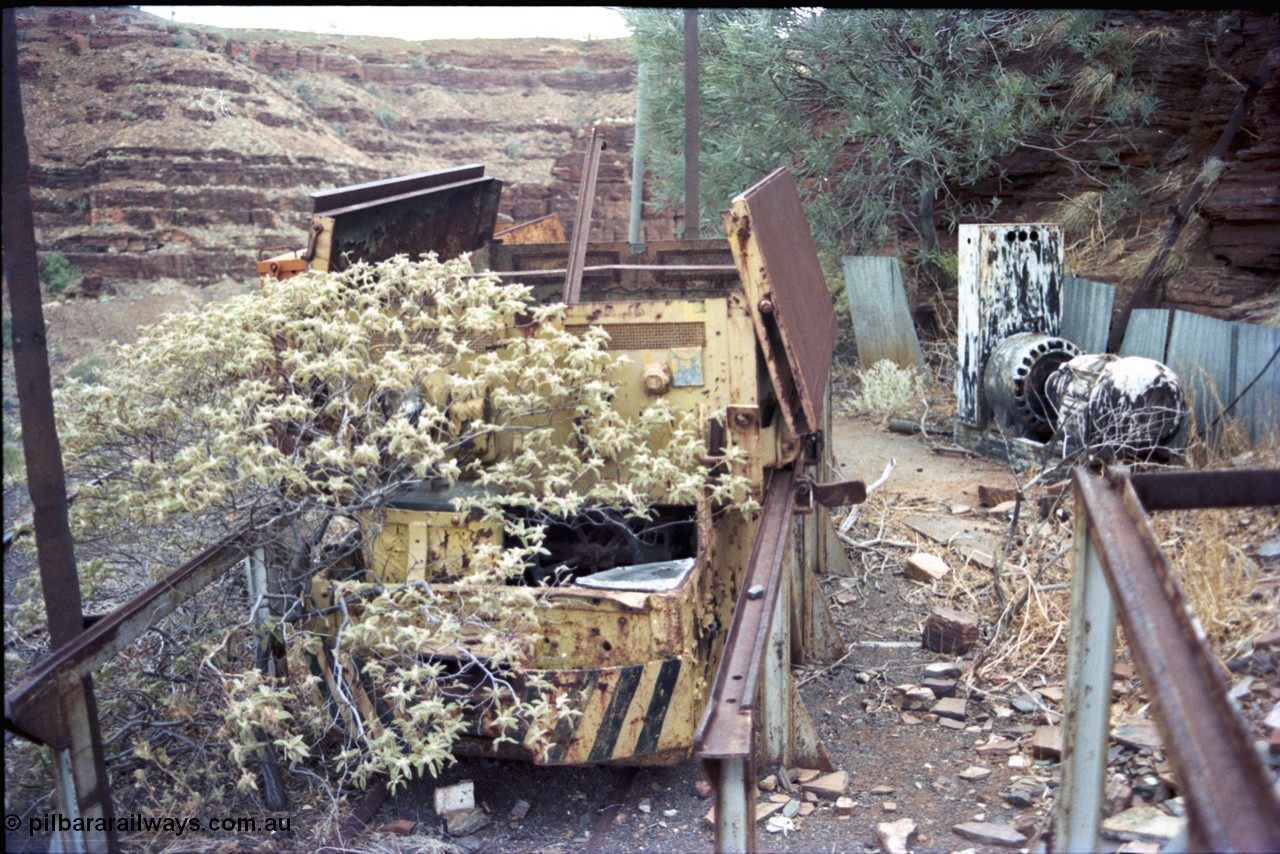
638, 661
637, 664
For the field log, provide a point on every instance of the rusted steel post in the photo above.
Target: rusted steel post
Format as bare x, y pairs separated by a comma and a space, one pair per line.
775, 682
735, 807
1086, 725
1230, 802
692, 227
31, 367
83, 789
582, 220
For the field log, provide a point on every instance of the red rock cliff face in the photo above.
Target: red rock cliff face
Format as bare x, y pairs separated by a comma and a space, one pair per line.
1232, 252
167, 151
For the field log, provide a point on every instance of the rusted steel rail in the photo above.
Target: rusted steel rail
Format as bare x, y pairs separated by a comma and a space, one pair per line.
33, 709
1230, 802
1201, 490
556, 273
738, 682
725, 742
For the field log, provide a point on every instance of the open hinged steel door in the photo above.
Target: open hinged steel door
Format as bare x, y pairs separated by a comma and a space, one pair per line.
787, 295
448, 211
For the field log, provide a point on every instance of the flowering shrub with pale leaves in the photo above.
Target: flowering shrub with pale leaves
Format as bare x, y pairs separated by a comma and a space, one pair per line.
314, 401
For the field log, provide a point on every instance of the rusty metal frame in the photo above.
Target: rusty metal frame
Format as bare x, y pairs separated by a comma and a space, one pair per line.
1230, 802
342, 198
755, 703
32, 708
725, 742
787, 294
582, 219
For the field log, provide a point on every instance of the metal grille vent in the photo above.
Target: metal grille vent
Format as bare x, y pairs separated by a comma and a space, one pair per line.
648, 336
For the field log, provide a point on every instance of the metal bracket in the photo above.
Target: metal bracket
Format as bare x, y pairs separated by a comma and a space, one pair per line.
811, 448
837, 494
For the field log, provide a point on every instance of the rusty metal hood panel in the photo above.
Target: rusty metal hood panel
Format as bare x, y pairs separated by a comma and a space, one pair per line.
448, 212
794, 317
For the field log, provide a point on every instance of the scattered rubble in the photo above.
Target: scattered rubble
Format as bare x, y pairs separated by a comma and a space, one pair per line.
940, 687
1025, 792
1143, 824
988, 833
398, 827
926, 567
950, 631
465, 822
895, 836
912, 697
942, 670
459, 796
1046, 743
997, 747
1053, 693
950, 707
456, 804
805, 775
1138, 733
992, 496
780, 824
829, 786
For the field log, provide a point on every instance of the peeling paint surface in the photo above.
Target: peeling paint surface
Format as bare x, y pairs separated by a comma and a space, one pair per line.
1135, 404
1010, 282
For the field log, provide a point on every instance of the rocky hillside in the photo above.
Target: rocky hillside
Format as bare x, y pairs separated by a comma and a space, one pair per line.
161, 150
1229, 258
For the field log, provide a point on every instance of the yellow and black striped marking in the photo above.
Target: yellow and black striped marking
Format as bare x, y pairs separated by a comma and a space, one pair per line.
618, 717
622, 710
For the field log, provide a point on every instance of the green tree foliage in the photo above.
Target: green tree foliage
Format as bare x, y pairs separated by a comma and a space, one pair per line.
57, 273
885, 114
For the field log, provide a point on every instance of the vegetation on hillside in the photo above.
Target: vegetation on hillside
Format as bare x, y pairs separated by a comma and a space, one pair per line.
885, 115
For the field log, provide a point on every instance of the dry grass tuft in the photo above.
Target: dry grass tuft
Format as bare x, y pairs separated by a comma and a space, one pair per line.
1229, 594
1081, 217
1090, 86
1027, 602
